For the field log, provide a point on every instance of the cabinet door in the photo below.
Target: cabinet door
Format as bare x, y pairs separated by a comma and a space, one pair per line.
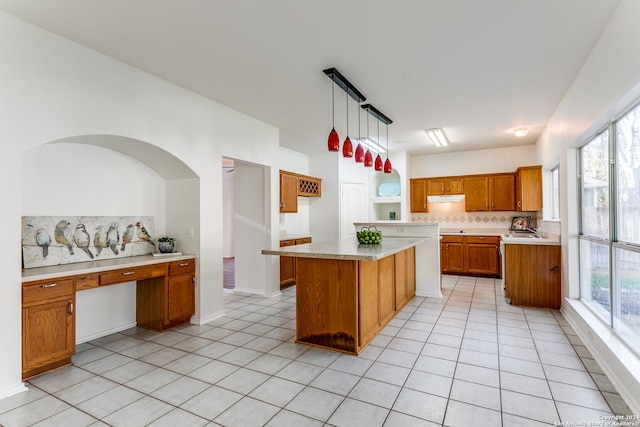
288, 193
532, 275
483, 258
181, 297
476, 195
418, 193
437, 187
503, 193
454, 186
452, 256
529, 188
48, 334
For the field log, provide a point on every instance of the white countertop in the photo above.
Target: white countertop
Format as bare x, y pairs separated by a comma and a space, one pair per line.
348, 249
470, 231
530, 240
55, 271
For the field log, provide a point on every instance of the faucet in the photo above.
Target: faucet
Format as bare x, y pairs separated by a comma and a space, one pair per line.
538, 232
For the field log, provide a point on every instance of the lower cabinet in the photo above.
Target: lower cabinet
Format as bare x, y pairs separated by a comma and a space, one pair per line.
287, 264
48, 325
532, 275
470, 255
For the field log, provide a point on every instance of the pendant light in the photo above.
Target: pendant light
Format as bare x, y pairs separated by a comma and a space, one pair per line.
378, 162
334, 140
387, 163
347, 147
368, 157
359, 149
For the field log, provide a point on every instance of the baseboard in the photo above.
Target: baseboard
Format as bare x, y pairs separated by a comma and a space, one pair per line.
80, 340
10, 391
205, 320
617, 360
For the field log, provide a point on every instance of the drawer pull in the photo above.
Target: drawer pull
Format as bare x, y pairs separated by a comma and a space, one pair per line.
128, 273
555, 268
183, 264
50, 285
70, 312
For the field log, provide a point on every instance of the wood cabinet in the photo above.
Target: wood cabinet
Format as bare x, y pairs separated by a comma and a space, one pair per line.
494, 192
529, 188
288, 193
293, 185
452, 254
48, 325
342, 304
482, 254
471, 255
288, 265
445, 185
165, 297
418, 195
532, 275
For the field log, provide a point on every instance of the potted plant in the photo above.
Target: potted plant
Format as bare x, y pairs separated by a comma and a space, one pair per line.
166, 244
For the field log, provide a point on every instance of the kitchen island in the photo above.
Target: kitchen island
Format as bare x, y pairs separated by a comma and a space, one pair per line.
346, 292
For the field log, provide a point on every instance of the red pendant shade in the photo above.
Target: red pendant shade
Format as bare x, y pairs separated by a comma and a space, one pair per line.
359, 153
347, 148
387, 166
334, 140
378, 163
368, 159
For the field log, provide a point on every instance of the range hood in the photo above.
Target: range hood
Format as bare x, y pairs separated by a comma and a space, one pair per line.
451, 198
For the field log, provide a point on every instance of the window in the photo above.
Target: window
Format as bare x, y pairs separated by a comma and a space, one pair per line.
610, 229
555, 194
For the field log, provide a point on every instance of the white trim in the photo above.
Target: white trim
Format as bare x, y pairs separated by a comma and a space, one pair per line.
617, 360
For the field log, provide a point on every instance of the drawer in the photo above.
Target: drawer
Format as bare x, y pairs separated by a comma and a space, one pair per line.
87, 281
47, 289
452, 239
493, 240
186, 266
287, 242
303, 241
131, 274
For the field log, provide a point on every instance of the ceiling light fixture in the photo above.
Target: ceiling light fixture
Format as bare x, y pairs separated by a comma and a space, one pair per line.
359, 149
438, 137
368, 157
387, 163
344, 84
378, 161
521, 132
347, 146
387, 121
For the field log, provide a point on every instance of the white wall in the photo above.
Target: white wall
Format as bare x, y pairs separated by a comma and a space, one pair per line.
473, 162
53, 89
608, 82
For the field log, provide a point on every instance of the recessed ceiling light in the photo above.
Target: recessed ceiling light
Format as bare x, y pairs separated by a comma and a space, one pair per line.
521, 132
438, 137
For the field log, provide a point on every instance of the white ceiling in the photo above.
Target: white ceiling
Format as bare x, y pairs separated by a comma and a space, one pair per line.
478, 69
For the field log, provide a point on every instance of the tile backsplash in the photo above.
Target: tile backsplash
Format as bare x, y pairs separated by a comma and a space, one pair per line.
453, 215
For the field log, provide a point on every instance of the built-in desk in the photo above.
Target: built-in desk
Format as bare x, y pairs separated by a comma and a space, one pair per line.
164, 299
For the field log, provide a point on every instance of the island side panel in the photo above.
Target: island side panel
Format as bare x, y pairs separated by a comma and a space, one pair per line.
326, 303
368, 309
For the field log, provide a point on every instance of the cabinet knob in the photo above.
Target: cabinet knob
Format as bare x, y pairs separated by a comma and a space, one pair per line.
486, 205
555, 268
519, 205
493, 205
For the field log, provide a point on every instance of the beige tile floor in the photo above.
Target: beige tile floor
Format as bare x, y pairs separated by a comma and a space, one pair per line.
468, 359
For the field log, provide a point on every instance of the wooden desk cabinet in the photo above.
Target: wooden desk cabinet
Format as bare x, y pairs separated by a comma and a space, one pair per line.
48, 325
165, 298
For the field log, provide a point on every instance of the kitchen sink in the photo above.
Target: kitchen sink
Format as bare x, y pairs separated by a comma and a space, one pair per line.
522, 236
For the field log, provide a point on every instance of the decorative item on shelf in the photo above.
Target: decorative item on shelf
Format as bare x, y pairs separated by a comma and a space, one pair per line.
344, 84
378, 162
369, 235
166, 244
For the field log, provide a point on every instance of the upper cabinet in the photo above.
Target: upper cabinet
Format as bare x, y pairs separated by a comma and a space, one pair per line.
447, 185
529, 188
293, 185
418, 194
519, 191
494, 192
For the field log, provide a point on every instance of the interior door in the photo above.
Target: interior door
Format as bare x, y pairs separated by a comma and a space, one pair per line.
354, 207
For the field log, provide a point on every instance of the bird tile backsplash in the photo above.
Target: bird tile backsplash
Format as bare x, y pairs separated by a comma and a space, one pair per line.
54, 240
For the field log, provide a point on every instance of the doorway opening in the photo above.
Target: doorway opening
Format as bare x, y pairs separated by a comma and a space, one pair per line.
228, 255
